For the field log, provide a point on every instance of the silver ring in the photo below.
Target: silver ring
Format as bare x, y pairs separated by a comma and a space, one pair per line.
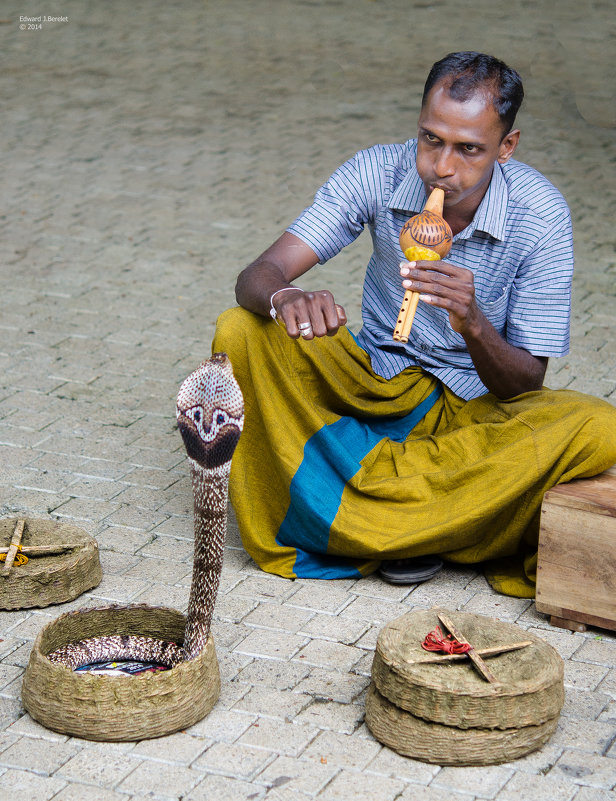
304, 326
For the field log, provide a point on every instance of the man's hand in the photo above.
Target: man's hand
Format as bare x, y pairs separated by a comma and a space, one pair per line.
505, 370
309, 314
270, 277
448, 287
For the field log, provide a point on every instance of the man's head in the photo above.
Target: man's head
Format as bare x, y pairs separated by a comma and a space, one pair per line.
467, 73
469, 104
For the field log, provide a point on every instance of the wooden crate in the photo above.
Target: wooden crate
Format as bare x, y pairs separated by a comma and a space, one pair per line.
576, 570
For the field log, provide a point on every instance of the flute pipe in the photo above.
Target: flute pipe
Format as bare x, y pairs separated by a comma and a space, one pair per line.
404, 306
435, 201
429, 233
403, 314
406, 316
410, 316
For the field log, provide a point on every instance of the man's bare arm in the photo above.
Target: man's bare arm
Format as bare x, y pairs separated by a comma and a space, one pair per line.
276, 269
504, 369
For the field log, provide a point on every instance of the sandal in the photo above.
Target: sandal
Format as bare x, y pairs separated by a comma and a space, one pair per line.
410, 571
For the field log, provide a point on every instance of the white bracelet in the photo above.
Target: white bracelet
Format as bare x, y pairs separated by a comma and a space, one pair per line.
273, 313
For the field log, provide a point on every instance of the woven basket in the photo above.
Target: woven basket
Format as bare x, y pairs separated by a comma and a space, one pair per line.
118, 708
51, 579
453, 693
448, 745
445, 712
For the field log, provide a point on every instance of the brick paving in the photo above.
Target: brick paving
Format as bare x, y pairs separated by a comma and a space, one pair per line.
149, 151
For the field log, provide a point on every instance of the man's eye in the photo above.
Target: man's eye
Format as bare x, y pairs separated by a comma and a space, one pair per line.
470, 148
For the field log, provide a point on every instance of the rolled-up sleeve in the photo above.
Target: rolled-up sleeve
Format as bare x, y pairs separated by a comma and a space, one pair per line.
341, 208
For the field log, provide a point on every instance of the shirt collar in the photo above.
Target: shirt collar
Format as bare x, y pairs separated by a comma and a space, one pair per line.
410, 194
490, 216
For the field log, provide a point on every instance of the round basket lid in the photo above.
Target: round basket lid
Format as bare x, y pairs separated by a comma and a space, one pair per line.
63, 562
447, 745
529, 688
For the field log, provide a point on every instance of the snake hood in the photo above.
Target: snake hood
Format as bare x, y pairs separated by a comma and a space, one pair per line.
210, 413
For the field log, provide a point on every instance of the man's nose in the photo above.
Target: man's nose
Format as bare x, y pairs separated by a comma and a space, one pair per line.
444, 165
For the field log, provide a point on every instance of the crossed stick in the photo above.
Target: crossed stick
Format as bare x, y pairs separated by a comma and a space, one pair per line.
30, 550
13, 547
474, 654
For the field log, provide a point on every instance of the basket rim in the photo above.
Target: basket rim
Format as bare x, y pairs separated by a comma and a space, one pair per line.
121, 708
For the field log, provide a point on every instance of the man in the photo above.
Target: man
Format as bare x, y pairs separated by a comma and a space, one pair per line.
362, 450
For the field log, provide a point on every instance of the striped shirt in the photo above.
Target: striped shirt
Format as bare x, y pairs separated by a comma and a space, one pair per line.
518, 246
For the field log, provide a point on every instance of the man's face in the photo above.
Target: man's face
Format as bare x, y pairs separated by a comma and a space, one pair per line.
457, 146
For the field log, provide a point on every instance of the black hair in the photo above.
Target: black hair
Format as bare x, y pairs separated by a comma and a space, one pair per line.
471, 72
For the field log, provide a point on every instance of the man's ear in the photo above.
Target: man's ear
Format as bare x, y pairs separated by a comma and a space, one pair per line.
507, 146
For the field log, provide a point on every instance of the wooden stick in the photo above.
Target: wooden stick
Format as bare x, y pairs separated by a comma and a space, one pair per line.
472, 653
483, 652
12, 549
406, 316
41, 550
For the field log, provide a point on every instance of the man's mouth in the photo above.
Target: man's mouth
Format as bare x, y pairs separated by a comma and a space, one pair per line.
446, 189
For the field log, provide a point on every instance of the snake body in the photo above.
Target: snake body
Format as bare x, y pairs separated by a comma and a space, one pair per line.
210, 417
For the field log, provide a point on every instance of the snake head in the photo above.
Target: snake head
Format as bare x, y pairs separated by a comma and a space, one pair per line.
210, 412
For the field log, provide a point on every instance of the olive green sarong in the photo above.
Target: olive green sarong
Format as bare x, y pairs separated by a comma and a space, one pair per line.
338, 468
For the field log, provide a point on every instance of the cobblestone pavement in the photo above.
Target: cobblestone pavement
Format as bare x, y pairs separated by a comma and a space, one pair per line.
149, 150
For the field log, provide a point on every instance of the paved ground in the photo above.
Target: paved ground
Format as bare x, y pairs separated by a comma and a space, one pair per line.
148, 151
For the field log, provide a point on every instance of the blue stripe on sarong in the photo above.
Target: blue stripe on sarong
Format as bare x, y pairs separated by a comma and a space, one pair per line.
332, 457
322, 566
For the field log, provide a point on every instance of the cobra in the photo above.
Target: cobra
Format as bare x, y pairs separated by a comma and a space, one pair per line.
210, 417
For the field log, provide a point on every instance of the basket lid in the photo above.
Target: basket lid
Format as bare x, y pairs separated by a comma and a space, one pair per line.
530, 679
63, 562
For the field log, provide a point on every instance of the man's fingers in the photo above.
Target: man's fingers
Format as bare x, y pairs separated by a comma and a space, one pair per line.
296, 316
312, 314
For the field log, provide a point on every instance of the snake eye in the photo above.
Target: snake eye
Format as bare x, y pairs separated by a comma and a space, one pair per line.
221, 419
197, 415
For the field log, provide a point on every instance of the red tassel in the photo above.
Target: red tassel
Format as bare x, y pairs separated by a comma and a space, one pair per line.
435, 642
